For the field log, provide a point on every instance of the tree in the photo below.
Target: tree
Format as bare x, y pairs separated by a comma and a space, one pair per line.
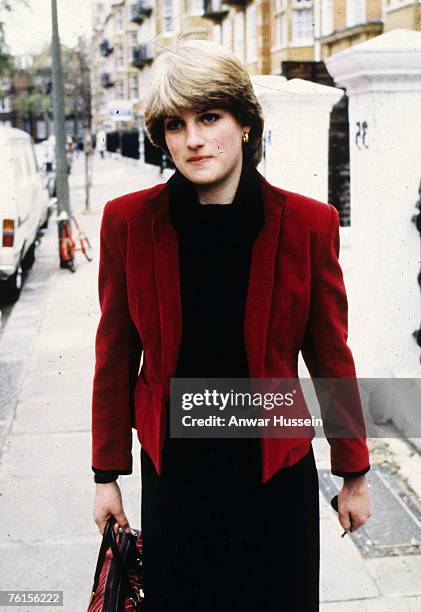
36, 100
5, 57
77, 83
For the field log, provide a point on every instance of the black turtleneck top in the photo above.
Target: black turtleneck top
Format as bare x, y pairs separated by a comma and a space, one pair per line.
215, 243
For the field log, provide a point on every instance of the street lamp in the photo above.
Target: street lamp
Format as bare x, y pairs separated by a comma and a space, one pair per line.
63, 197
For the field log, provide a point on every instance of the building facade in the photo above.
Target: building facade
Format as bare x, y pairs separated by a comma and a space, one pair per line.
265, 34
279, 37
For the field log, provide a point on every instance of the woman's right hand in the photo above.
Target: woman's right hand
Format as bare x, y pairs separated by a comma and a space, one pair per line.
108, 503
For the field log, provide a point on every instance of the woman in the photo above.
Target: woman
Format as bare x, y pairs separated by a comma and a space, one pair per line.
209, 275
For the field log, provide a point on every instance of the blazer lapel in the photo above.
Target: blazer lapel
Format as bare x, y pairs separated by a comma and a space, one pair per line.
167, 279
261, 280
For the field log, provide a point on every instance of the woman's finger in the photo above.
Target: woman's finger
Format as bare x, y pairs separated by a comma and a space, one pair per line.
345, 520
122, 522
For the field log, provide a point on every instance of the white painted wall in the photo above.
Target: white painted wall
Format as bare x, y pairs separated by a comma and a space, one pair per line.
297, 115
383, 81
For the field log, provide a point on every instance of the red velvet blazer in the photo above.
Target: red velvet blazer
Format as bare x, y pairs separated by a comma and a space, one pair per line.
296, 302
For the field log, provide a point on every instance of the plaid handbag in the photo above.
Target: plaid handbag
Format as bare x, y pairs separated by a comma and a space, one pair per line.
118, 577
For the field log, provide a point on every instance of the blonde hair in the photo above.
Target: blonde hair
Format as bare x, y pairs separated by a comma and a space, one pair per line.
198, 76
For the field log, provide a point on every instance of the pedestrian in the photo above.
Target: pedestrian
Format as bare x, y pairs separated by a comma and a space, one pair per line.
101, 142
209, 275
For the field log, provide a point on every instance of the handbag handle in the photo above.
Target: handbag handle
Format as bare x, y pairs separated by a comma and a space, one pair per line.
108, 540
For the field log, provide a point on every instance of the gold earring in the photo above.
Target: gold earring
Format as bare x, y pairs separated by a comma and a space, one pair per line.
245, 138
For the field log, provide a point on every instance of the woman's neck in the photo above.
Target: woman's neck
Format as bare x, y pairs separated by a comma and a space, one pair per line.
222, 192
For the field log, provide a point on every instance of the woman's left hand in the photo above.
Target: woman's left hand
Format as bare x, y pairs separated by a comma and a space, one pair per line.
354, 503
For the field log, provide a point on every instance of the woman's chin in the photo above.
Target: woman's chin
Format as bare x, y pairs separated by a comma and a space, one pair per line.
202, 176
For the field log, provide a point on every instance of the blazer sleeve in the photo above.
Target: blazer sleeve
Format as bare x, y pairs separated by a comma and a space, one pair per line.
118, 350
327, 356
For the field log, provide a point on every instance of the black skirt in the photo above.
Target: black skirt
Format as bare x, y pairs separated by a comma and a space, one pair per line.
216, 539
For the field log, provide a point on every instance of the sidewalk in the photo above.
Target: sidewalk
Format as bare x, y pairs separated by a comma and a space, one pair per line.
48, 537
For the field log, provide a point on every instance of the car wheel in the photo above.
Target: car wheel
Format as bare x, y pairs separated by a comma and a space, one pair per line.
11, 288
29, 259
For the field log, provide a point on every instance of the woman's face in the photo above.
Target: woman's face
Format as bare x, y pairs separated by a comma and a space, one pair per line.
206, 147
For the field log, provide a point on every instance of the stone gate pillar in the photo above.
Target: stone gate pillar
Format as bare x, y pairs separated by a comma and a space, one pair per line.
297, 116
382, 78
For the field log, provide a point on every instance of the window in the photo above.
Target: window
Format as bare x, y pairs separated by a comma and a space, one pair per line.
120, 90
302, 27
5, 83
119, 56
132, 42
4, 104
132, 7
167, 15
133, 86
327, 17
394, 4
251, 38
239, 35
355, 12
281, 26
119, 19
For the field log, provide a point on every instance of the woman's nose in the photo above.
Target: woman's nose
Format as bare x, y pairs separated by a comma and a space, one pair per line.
194, 136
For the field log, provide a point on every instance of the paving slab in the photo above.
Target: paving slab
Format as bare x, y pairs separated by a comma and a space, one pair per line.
53, 414
66, 385
383, 604
32, 509
57, 454
343, 574
397, 575
57, 564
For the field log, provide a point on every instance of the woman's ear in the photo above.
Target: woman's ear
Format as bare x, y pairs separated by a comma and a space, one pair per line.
246, 129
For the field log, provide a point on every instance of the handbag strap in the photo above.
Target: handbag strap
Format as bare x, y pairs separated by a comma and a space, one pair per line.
108, 540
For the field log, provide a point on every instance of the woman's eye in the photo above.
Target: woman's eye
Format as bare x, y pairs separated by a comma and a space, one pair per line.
173, 124
210, 117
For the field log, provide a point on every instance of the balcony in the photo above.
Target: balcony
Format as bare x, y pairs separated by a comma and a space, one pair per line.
142, 55
105, 47
140, 10
107, 80
215, 10
237, 2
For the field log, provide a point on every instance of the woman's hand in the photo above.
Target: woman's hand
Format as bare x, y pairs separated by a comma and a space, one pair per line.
108, 503
354, 503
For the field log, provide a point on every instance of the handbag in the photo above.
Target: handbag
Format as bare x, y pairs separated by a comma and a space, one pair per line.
118, 580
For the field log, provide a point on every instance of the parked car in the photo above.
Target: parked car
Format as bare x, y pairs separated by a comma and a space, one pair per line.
24, 209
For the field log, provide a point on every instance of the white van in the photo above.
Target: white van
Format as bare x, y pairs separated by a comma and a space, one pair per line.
24, 209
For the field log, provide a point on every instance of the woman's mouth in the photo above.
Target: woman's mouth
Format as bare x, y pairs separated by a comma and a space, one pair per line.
200, 159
